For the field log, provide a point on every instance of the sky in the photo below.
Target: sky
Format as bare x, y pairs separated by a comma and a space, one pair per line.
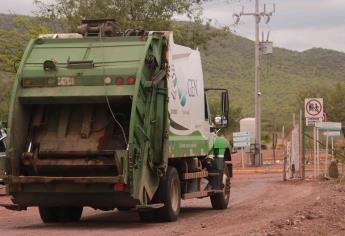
297, 24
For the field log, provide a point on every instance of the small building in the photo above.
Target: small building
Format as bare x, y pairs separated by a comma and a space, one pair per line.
248, 125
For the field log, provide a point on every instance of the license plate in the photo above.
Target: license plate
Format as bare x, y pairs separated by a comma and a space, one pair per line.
65, 81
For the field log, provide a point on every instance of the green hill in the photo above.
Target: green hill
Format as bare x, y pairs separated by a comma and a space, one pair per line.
229, 63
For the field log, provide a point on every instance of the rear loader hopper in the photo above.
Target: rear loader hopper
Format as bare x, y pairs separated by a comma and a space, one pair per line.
114, 120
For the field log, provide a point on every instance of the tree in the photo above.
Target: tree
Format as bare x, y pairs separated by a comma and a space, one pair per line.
13, 42
197, 33
136, 14
336, 105
149, 14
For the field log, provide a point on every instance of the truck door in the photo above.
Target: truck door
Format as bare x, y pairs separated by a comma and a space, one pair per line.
209, 130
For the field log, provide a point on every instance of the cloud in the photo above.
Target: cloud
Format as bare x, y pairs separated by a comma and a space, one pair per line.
23, 7
297, 24
302, 39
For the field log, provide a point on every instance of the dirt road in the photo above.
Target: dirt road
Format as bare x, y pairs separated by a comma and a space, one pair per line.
259, 203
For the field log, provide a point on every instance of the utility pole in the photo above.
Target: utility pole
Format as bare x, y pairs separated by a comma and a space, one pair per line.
257, 15
257, 81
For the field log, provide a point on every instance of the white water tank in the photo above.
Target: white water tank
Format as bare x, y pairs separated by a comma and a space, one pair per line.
248, 125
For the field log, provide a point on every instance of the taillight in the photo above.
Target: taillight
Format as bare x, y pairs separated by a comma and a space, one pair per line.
119, 80
27, 82
131, 80
119, 187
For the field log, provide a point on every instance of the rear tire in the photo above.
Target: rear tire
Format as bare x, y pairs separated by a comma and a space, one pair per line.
220, 201
69, 214
48, 214
169, 193
60, 214
124, 208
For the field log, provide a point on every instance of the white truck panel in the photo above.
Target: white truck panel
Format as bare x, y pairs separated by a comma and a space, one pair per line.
186, 90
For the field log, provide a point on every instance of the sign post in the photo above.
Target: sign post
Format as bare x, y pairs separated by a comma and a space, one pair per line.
332, 149
313, 112
331, 134
331, 129
318, 151
241, 140
242, 157
326, 158
314, 152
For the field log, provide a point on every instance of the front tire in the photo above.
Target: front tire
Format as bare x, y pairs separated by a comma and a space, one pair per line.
148, 216
220, 201
60, 214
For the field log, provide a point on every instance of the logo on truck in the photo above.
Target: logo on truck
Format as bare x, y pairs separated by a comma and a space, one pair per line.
178, 92
192, 88
182, 94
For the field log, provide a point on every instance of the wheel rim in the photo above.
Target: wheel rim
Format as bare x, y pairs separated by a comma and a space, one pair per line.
174, 194
226, 189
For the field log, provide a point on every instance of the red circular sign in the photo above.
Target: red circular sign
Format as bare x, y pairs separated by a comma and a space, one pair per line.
313, 107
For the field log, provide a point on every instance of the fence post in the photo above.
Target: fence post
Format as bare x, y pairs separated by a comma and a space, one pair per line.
315, 161
302, 127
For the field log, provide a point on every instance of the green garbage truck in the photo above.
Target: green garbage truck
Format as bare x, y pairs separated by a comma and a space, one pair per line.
108, 119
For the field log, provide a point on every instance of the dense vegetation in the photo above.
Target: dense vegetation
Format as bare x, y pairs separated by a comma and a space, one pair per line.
5, 87
228, 63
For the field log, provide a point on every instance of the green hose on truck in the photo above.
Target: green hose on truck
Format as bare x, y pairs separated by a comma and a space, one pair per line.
114, 120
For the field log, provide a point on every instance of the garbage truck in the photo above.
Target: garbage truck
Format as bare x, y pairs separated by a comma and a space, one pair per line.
114, 120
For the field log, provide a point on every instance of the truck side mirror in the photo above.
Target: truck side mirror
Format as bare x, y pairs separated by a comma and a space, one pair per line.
221, 117
225, 108
225, 103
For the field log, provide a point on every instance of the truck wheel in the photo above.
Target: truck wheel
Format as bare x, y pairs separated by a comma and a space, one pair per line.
69, 214
169, 193
220, 201
124, 208
48, 214
60, 214
147, 216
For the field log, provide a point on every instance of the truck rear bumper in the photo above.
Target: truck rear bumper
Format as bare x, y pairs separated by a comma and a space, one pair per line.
96, 192
48, 179
94, 200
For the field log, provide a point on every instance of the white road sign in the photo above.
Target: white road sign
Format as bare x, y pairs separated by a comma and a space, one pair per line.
241, 139
313, 107
313, 120
241, 144
330, 126
332, 133
240, 134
